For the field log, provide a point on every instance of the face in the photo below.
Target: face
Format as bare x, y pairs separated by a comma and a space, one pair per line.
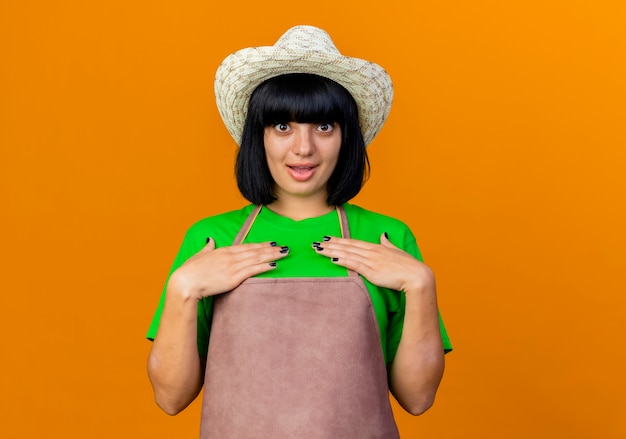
301, 158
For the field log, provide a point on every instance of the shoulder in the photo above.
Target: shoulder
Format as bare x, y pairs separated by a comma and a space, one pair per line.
361, 219
358, 212
222, 227
367, 225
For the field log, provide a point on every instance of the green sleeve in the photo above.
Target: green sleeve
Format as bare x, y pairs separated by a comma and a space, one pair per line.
396, 317
192, 243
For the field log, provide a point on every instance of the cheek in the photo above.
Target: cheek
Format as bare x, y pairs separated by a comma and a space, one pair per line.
269, 152
273, 164
335, 155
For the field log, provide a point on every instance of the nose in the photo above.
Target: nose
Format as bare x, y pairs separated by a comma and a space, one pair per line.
304, 142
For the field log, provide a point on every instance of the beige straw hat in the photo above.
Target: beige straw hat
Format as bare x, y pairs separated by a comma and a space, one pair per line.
302, 49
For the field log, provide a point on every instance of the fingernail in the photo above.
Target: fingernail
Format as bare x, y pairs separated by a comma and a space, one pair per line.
386, 236
318, 248
284, 249
273, 244
326, 238
208, 240
335, 259
272, 264
316, 244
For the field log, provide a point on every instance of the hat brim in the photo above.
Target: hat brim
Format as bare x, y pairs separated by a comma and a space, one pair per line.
243, 71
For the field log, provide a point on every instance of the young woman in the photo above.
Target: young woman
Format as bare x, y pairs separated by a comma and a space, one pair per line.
299, 312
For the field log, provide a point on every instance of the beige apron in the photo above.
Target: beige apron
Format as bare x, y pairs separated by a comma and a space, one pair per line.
296, 358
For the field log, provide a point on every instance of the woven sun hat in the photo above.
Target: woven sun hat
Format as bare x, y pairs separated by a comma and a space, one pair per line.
302, 49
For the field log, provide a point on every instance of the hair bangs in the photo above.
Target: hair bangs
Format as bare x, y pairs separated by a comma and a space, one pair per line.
303, 98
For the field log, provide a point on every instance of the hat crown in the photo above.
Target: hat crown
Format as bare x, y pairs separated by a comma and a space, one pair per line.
302, 49
307, 38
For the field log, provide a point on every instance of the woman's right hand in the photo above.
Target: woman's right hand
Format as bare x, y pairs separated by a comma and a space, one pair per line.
213, 271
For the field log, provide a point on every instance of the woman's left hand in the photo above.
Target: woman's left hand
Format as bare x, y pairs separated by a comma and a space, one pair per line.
384, 264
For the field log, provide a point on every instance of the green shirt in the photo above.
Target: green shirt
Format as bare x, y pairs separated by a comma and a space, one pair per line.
303, 260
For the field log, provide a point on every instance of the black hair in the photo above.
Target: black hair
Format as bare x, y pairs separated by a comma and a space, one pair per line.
302, 98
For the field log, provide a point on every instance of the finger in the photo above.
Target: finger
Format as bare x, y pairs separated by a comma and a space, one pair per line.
250, 247
384, 240
341, 252
210, 244
260, 263
334, 242
253, 270
234, 249
339, 249
349, 257
360, 266
257, 257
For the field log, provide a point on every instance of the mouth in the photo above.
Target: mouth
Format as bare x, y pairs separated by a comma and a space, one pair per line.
302, 172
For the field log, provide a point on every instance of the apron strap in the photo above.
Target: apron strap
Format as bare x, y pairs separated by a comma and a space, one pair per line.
247, 225
345, 233
343, 222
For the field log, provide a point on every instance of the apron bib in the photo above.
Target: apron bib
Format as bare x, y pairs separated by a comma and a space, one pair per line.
296, 358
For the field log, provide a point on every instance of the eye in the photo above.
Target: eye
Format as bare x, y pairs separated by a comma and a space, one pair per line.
281, 127
326, 127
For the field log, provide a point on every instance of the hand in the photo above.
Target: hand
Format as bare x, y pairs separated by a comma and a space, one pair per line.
212, 271
384, 264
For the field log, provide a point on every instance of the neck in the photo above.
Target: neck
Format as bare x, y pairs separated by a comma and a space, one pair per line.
300, 208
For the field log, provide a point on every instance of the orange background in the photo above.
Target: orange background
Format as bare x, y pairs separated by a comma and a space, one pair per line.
504, 152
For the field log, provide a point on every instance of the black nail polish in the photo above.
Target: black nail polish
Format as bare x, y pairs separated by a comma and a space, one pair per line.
273, 244
386, 236
326, 238
208, 240
284, 249
316, 244
272, 264
318, 248
335, 259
